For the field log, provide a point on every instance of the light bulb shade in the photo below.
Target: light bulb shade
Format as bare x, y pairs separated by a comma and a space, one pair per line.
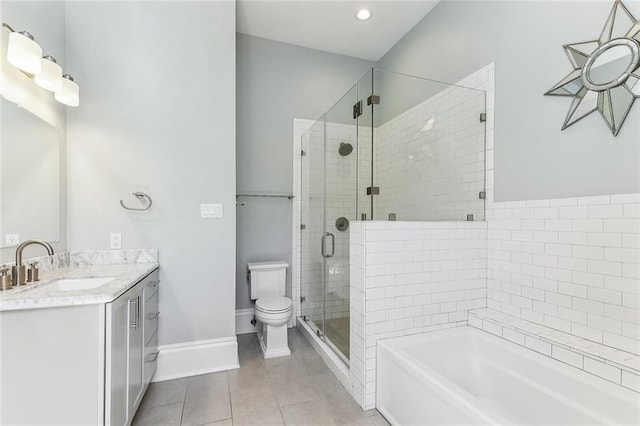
24, 53
50, 77
69, 93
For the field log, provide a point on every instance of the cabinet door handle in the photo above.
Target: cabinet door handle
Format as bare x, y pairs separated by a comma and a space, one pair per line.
136, 317
153, 356
154, 316
138, 311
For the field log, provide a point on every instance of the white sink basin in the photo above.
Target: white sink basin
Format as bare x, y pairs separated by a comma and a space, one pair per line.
72, 284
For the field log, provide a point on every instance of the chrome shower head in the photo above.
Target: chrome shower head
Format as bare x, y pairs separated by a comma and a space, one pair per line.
345, 149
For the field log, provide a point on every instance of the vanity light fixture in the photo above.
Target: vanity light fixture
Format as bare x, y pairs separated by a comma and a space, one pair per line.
50, 78
363, 14
23, 52
69, 93
26, 56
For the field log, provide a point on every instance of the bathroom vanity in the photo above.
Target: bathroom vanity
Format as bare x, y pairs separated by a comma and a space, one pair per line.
80, 347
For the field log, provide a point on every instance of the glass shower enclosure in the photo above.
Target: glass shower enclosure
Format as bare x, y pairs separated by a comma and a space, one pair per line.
394, 147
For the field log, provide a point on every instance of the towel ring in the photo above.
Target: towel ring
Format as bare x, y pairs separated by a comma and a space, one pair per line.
139, 196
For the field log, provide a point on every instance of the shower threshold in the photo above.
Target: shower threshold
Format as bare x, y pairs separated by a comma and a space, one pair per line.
337, 363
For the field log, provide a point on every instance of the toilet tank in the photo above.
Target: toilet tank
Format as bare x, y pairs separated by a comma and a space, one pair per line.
267, 278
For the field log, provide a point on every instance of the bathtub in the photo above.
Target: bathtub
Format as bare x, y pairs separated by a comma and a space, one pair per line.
467, 376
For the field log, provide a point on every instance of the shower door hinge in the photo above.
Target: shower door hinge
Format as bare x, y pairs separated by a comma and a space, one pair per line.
303, 226
373, 190
357, 109
302, 299
483, 117
303, 153
373, 99
482, 195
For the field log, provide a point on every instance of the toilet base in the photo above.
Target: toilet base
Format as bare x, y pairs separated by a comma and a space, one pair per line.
273, 341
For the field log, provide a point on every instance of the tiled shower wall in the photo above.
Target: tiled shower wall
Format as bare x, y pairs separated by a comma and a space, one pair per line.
407, 278
429, 160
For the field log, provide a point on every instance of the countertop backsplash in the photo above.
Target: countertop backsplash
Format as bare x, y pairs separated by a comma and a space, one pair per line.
91, 257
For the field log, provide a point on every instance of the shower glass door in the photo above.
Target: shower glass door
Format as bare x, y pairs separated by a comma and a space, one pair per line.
328, 206
341, 161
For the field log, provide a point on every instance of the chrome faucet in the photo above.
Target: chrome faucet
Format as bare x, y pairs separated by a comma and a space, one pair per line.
18, 271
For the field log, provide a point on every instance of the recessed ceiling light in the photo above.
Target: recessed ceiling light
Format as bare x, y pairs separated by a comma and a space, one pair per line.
363, 14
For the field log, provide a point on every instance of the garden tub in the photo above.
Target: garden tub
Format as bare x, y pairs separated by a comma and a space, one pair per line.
467, 376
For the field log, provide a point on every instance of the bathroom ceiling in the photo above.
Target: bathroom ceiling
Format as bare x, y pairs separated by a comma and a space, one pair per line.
331, 26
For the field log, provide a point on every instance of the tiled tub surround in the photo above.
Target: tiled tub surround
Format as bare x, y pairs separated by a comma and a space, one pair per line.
562, 278
619, 367
408, 278
572, 264
126, 267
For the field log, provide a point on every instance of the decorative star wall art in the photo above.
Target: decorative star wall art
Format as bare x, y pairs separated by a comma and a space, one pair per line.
606, 72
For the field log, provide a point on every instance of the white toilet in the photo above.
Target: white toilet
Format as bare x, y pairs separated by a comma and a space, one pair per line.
273, 310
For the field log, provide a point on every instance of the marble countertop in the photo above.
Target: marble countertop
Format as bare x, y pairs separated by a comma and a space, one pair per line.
38, 295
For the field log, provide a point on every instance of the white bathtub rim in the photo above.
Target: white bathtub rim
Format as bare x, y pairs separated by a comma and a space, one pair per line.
403, 342
398, 346
552, 392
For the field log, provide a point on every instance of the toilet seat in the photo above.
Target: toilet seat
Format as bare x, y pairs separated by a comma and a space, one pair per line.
273, 304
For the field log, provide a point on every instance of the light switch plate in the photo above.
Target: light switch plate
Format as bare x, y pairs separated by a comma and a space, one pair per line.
210, 211
12, 239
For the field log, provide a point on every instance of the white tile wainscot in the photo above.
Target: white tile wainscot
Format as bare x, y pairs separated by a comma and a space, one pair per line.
571, 264
614, 365
408, 278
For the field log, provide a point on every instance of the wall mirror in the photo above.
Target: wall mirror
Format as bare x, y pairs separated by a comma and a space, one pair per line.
29, 176
30, 146
606, 71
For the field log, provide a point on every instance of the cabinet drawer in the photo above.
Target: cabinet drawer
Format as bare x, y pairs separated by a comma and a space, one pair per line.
151, 315
150, 357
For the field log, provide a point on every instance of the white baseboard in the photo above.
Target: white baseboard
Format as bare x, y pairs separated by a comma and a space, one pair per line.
243, 321
197, 357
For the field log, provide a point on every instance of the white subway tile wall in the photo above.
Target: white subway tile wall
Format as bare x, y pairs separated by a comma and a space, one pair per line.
429, 160
570, 264
609, 363
407, 278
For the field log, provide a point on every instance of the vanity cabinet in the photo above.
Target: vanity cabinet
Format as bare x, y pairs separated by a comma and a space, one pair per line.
82, 364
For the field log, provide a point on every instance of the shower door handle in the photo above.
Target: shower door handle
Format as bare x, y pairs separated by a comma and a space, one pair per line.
323, 245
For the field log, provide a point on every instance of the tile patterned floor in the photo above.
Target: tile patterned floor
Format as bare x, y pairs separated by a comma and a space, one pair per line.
294, 390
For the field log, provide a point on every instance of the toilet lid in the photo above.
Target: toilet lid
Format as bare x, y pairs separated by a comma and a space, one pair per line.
273, 304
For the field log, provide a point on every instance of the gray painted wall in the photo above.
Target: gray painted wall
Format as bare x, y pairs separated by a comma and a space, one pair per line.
533, 158
157, 114
276, 82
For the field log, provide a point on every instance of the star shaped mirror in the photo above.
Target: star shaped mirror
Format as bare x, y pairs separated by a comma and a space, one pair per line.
606, 71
